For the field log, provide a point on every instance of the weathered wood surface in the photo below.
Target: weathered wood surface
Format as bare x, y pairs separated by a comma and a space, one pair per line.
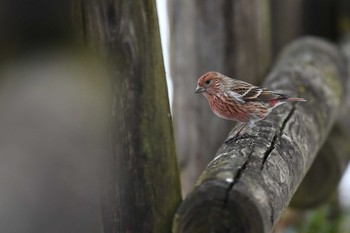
141, 188
345, 110
232, 37
321, 181
251, 181
332, 159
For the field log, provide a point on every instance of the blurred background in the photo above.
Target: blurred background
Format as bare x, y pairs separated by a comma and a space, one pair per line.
55, 100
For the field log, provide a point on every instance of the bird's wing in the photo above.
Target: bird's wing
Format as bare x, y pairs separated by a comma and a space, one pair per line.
247, 92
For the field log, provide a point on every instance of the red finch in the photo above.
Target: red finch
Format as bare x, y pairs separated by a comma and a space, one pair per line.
240, 101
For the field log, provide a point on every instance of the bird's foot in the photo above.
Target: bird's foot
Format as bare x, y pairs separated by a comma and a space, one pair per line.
236, 138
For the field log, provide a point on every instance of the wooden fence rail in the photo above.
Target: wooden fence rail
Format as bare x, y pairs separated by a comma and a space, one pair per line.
321, 182
251, 181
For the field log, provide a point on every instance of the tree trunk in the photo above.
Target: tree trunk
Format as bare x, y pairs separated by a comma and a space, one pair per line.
251, 181
231, 37
142, 189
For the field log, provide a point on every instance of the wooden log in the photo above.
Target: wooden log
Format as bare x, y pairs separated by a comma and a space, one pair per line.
251, 181
321, 182
141, 189
319, 186
232, 37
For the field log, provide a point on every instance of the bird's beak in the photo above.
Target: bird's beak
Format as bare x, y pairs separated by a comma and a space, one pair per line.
199, 89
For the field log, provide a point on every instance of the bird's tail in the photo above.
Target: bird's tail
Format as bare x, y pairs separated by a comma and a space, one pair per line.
296, 100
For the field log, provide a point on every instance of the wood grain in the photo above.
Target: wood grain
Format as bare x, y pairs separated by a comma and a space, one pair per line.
141, 188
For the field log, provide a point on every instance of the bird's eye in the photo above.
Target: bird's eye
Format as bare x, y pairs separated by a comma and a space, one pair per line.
208, 81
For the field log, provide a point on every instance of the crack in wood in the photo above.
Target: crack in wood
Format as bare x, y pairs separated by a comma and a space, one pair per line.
290, 114
276, 136
272, 215
269, 150
236, 178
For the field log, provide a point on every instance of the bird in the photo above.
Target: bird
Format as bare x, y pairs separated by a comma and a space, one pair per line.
239, 101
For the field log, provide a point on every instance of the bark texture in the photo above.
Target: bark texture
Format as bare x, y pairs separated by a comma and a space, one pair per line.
232, 37
251, 181
321, 181
141, 188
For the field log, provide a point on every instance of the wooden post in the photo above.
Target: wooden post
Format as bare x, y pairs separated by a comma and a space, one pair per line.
251, 181
141, 188
232, 37
286, 23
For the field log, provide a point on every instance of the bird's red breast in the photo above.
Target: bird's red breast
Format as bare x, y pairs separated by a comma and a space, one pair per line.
237, 100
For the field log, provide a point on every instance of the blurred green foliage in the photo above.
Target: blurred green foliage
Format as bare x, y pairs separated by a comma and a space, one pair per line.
325, 219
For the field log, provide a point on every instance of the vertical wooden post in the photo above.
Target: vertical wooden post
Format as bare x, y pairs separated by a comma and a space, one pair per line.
142, 188
286, 23
232, 37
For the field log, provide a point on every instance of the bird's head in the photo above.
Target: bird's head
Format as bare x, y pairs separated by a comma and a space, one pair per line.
209, 83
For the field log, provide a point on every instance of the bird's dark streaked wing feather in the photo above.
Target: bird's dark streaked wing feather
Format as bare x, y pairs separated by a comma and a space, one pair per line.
248, 92
253, 93
241, 87
267, 95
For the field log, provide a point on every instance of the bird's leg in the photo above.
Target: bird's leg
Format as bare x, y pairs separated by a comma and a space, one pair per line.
239, 134
242, 130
